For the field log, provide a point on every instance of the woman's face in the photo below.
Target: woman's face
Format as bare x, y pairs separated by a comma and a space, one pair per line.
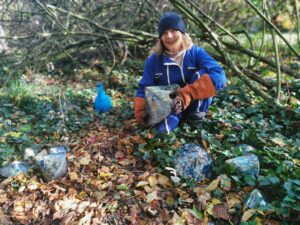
172, 40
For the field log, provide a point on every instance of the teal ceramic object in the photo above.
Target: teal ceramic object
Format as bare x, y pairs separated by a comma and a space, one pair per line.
245, 164
102, 102
255, 200
14, 169
193, 162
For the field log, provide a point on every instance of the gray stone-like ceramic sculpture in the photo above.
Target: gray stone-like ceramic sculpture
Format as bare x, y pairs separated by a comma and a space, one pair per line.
158, 102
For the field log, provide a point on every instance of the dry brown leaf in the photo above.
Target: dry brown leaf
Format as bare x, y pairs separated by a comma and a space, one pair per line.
203, 199
119, 155
176, 220
142, 183
82, 206
164, 181
150, 210
188, 200
233, 200
152, 180
134, 218
143, 176
69, 217
4, 219
221, 211
152, 196
248, 214
99, 195
3, 196
84, 161
73, 176
33, 185
40, 209
86, 220
126, 162
164, 216
21, 209
213, 185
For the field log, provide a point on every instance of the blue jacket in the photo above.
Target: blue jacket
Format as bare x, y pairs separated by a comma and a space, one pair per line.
161, 70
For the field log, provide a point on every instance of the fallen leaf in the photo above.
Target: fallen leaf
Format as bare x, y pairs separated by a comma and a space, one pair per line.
4, 219
248, 214
164, 180
188, 200
152, 181
150, 135
86, 220
203, 199
164, 216
176, 220
152, 196
150, 210
13, 134
221, 211
99, 195
225, 182
196, 213
103, 174
73, 176
142, 183
122, 187
126, 162
143, 176
33, 185
3, 197
233, 200
119, 155
84, 161
170, 201
213, 185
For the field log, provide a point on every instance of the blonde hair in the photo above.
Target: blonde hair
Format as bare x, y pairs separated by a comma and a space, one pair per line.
159, 47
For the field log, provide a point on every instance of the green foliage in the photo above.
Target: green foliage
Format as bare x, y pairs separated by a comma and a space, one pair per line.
20, 92
292, 198
38, 114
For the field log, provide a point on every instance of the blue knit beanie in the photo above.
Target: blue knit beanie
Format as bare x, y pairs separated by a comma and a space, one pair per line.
170, 20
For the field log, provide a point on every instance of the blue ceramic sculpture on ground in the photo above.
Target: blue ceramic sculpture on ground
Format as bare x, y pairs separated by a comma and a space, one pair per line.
255, 200
245, 164
53, 166
193, 162
14, 169
102, 102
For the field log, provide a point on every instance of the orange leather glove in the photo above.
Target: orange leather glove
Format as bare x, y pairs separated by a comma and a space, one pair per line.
202, 88
140, 110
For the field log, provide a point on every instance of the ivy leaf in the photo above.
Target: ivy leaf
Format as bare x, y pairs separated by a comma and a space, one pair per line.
26, 128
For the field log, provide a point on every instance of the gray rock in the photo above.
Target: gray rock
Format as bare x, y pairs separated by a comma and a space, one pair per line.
158, 102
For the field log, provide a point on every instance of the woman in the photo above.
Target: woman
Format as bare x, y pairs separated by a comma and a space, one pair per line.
175, 60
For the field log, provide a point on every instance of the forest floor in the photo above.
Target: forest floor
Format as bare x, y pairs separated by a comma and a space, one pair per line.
117, 171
